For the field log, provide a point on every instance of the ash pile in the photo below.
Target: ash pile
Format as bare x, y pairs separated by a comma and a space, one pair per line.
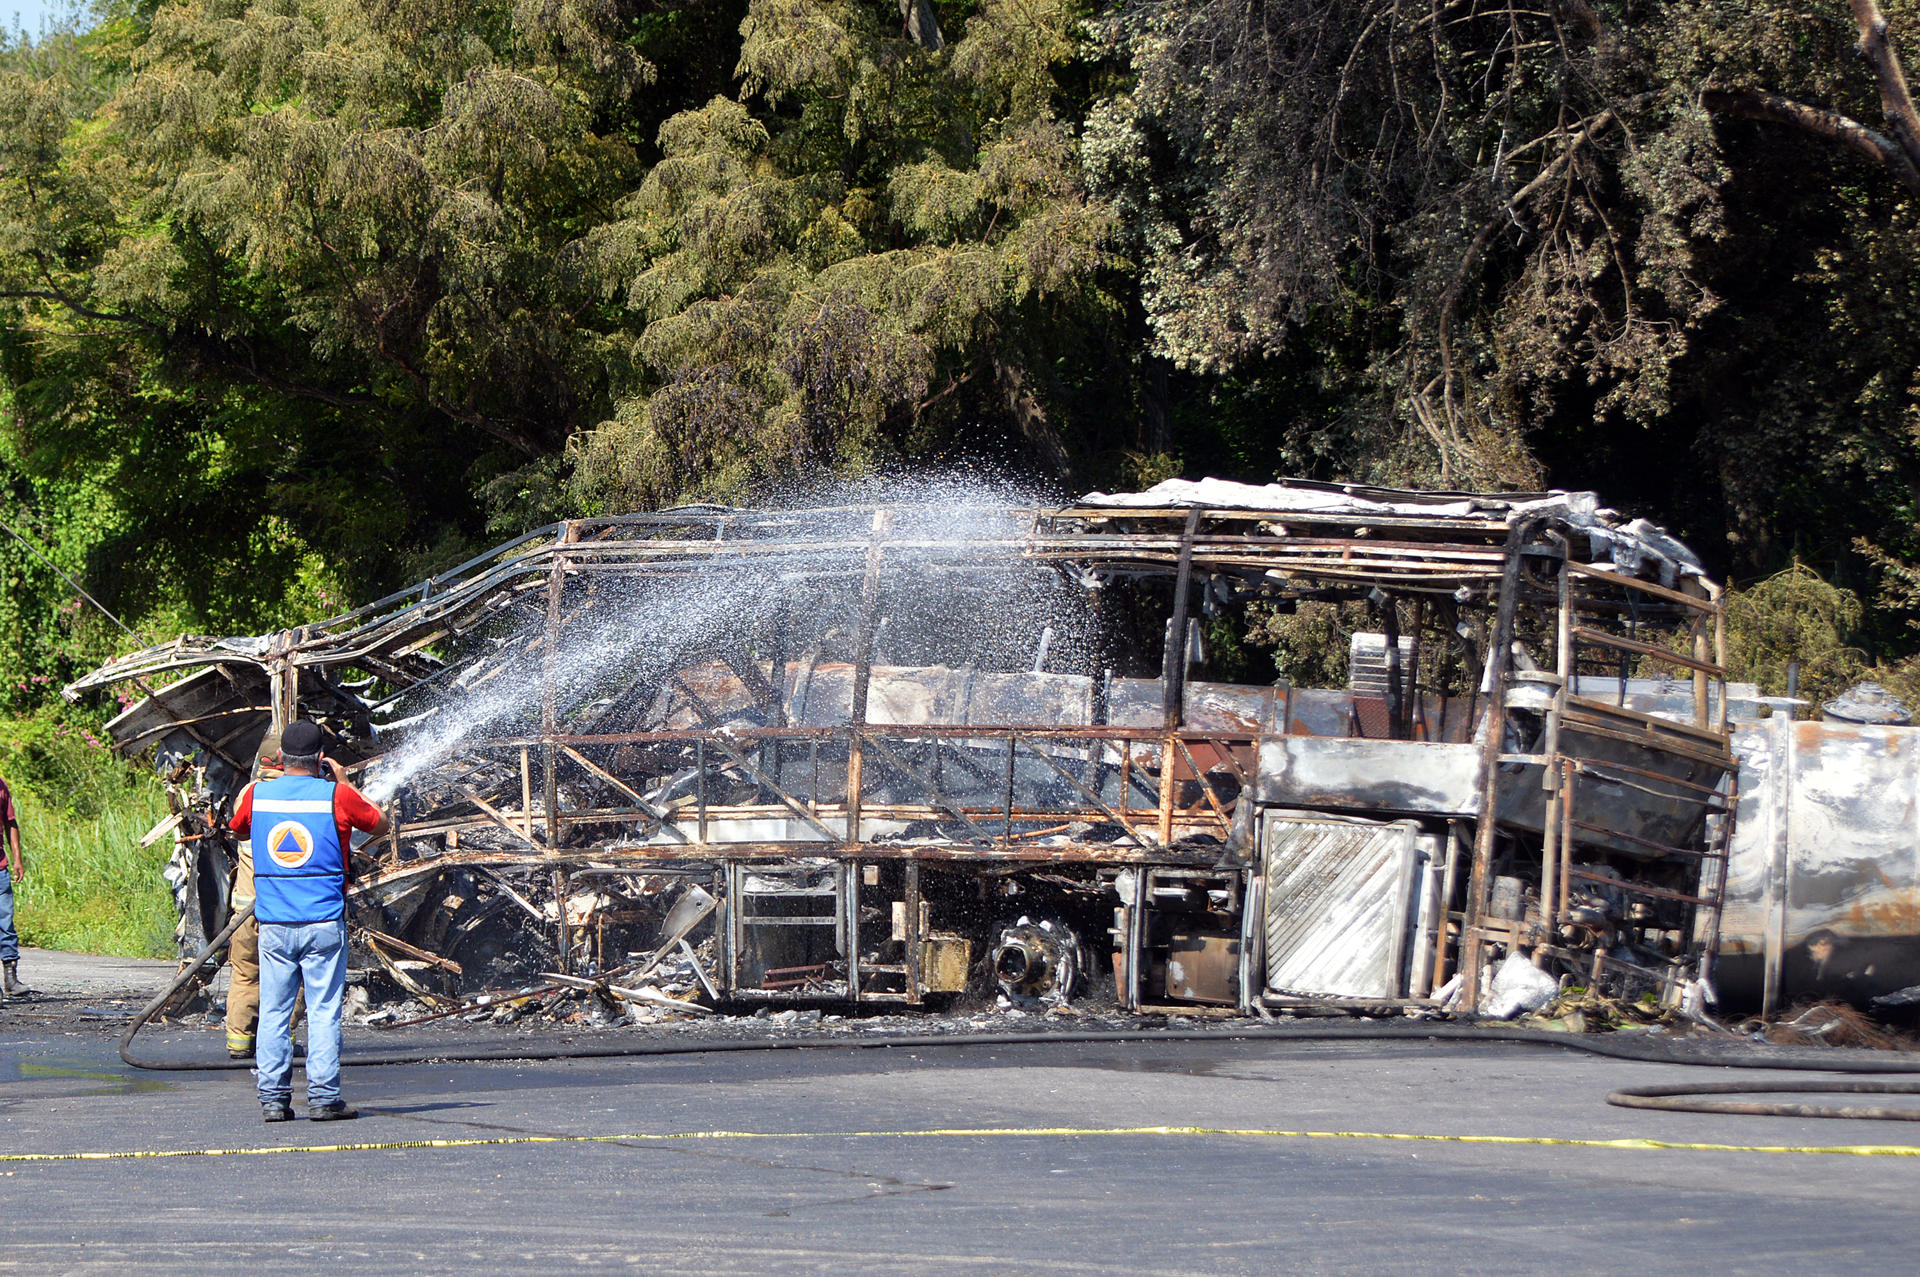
646, 989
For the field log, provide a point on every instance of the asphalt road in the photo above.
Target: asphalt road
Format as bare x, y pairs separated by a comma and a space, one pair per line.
968, 1160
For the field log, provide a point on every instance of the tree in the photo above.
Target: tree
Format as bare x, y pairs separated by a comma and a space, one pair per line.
1492, 200
813, 283
1466, 244
303, 297
282, 280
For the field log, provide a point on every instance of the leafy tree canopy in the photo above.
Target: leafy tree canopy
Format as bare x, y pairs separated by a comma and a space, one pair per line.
802, 276
304, 297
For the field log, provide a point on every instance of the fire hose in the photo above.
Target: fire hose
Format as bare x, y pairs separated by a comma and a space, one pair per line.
1699, 1098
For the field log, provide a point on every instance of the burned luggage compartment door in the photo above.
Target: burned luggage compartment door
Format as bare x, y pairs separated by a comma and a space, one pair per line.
1340, 898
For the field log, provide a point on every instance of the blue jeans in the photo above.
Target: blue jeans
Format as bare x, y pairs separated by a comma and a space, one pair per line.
9, 942
313, 954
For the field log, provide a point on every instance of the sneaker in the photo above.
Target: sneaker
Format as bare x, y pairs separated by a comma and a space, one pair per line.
335, 1111
281, 1112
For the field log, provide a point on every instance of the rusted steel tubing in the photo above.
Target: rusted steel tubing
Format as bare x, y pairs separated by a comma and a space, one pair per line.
1660, 592
1133, 834
664, 817
891, 731
1594, 765
1657, 847
480, 1002
879, 744
1052, 535
600, 557
1500, 660
1584, 635
1666, 730
1357, 570
411, 951
1173, 665
1187, 821
1293, 518
1634, 888
676, 854
1438, 554
746, 765
1210, 540
1206, 790
587, 552
1676, 745
493, 813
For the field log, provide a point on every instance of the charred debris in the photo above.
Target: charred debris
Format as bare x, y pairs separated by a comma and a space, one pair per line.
893, 754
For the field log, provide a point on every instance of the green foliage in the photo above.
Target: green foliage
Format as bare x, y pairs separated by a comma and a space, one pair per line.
1899, 598
1899, 582
406, 275
1311, 642
90, 886
1902, 678
1493, 200
1791, 616
1481, 245
64, 763
802, 278
283, 299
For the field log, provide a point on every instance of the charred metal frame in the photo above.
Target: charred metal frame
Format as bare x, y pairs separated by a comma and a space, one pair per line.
1119, 796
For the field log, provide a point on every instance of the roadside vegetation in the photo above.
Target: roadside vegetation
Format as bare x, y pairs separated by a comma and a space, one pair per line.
90, 886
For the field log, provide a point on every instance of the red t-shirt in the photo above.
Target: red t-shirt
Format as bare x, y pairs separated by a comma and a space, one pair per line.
351, 810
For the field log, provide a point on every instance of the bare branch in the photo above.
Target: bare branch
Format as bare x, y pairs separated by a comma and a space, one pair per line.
922, 25
1756, 104
60, 298
1549, 173
1896, 103
1031, 417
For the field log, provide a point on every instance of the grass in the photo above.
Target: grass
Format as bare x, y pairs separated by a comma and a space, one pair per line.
91, 886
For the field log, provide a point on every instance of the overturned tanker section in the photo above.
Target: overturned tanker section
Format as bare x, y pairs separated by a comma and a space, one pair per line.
895, 753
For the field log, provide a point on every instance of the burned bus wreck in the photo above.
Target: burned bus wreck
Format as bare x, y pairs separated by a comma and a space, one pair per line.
892, 753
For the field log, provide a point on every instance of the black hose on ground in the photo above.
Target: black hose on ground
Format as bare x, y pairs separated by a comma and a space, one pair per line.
1640, 1049
1693, 1099
180, 982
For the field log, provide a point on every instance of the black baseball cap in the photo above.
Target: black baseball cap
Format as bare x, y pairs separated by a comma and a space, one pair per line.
301, 739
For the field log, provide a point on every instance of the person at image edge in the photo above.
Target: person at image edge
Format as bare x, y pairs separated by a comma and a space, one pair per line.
13, 868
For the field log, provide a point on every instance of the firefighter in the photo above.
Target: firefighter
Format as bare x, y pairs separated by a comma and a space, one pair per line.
299, 825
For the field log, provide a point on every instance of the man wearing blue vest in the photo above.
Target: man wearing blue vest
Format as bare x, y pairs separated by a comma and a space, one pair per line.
299, 825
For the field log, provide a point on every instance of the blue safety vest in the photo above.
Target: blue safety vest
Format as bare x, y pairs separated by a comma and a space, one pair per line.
299, 869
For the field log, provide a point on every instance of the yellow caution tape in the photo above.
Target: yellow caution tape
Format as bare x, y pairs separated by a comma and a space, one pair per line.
975, 1132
